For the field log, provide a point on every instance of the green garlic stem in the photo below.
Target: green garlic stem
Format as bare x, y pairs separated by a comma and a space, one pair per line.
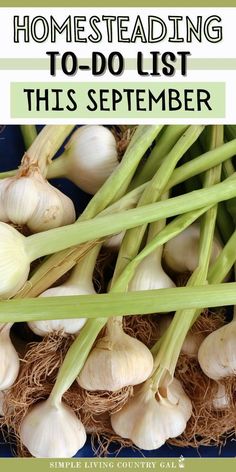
163, 146
43, 148
224, 262
118, 304
29, 134
84, 269
57, 239
167, 351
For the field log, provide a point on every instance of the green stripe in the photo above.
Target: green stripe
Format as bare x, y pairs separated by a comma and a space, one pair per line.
120, 3
193, 64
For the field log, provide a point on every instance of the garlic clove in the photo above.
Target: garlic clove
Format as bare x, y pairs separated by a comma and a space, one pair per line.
181, 252
149, 419
52, 431
217, 354
70, 326
15, 264
149, 275
116, 361
91, 157
20, 199
10, 363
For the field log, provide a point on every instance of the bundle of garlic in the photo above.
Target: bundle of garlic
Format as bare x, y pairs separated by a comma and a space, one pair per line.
112, 359
27, 198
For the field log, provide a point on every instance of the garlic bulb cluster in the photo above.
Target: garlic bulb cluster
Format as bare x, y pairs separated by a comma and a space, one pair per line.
90, 158
30, 200
116, 361
217, 354
50, 430
10, 363
149, 418
150, 275
181, 252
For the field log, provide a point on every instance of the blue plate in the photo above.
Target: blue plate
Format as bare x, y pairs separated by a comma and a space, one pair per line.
11, 151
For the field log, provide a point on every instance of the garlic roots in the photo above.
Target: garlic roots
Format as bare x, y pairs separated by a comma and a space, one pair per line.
10, 363
52, 430
116, 361
149, 418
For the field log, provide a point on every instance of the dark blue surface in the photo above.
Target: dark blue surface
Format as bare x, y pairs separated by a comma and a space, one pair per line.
11, 151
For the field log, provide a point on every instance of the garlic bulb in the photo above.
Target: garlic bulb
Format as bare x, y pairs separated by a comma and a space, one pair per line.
149, 418
217, 354
10, 363
114, 242
221, 399
150, 275
15, 263
50, 430
80, 282
116, 361
181, 252
30, 200
90, 157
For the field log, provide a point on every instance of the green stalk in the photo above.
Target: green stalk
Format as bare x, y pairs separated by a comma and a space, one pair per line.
43, 148
57, 239
133, 238
8, 173
168, 349
224, 262
29, 134
224, 222
163, 146
118, 304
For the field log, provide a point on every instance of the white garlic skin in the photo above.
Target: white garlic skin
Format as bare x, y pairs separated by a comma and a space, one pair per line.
116, 361
149, 275
32, 201
69, 326
114, 242
50, 431
181, 252
149, 420
91, 157
10, 363
14, 262
217, 353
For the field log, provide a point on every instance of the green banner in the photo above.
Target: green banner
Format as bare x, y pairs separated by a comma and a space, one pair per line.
118, 3
119, 464
118, 100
